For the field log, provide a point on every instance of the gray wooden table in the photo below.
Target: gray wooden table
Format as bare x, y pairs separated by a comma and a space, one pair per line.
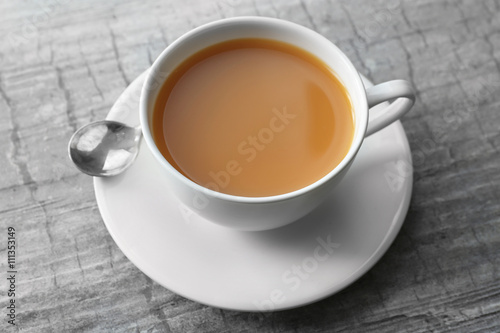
64, 62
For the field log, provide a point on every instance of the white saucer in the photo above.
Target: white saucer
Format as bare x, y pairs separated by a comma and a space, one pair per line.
258, 271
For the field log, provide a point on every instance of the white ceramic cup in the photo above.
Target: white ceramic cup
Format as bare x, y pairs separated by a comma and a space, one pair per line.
261, 213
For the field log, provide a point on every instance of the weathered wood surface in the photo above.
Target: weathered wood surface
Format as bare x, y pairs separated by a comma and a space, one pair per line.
63, 63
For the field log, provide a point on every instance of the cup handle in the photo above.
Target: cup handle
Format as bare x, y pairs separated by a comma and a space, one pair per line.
400, 90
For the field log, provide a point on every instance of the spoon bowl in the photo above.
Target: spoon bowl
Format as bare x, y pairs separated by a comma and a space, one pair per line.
104, 148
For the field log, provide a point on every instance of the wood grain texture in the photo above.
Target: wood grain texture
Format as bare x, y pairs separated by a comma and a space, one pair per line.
64, 62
